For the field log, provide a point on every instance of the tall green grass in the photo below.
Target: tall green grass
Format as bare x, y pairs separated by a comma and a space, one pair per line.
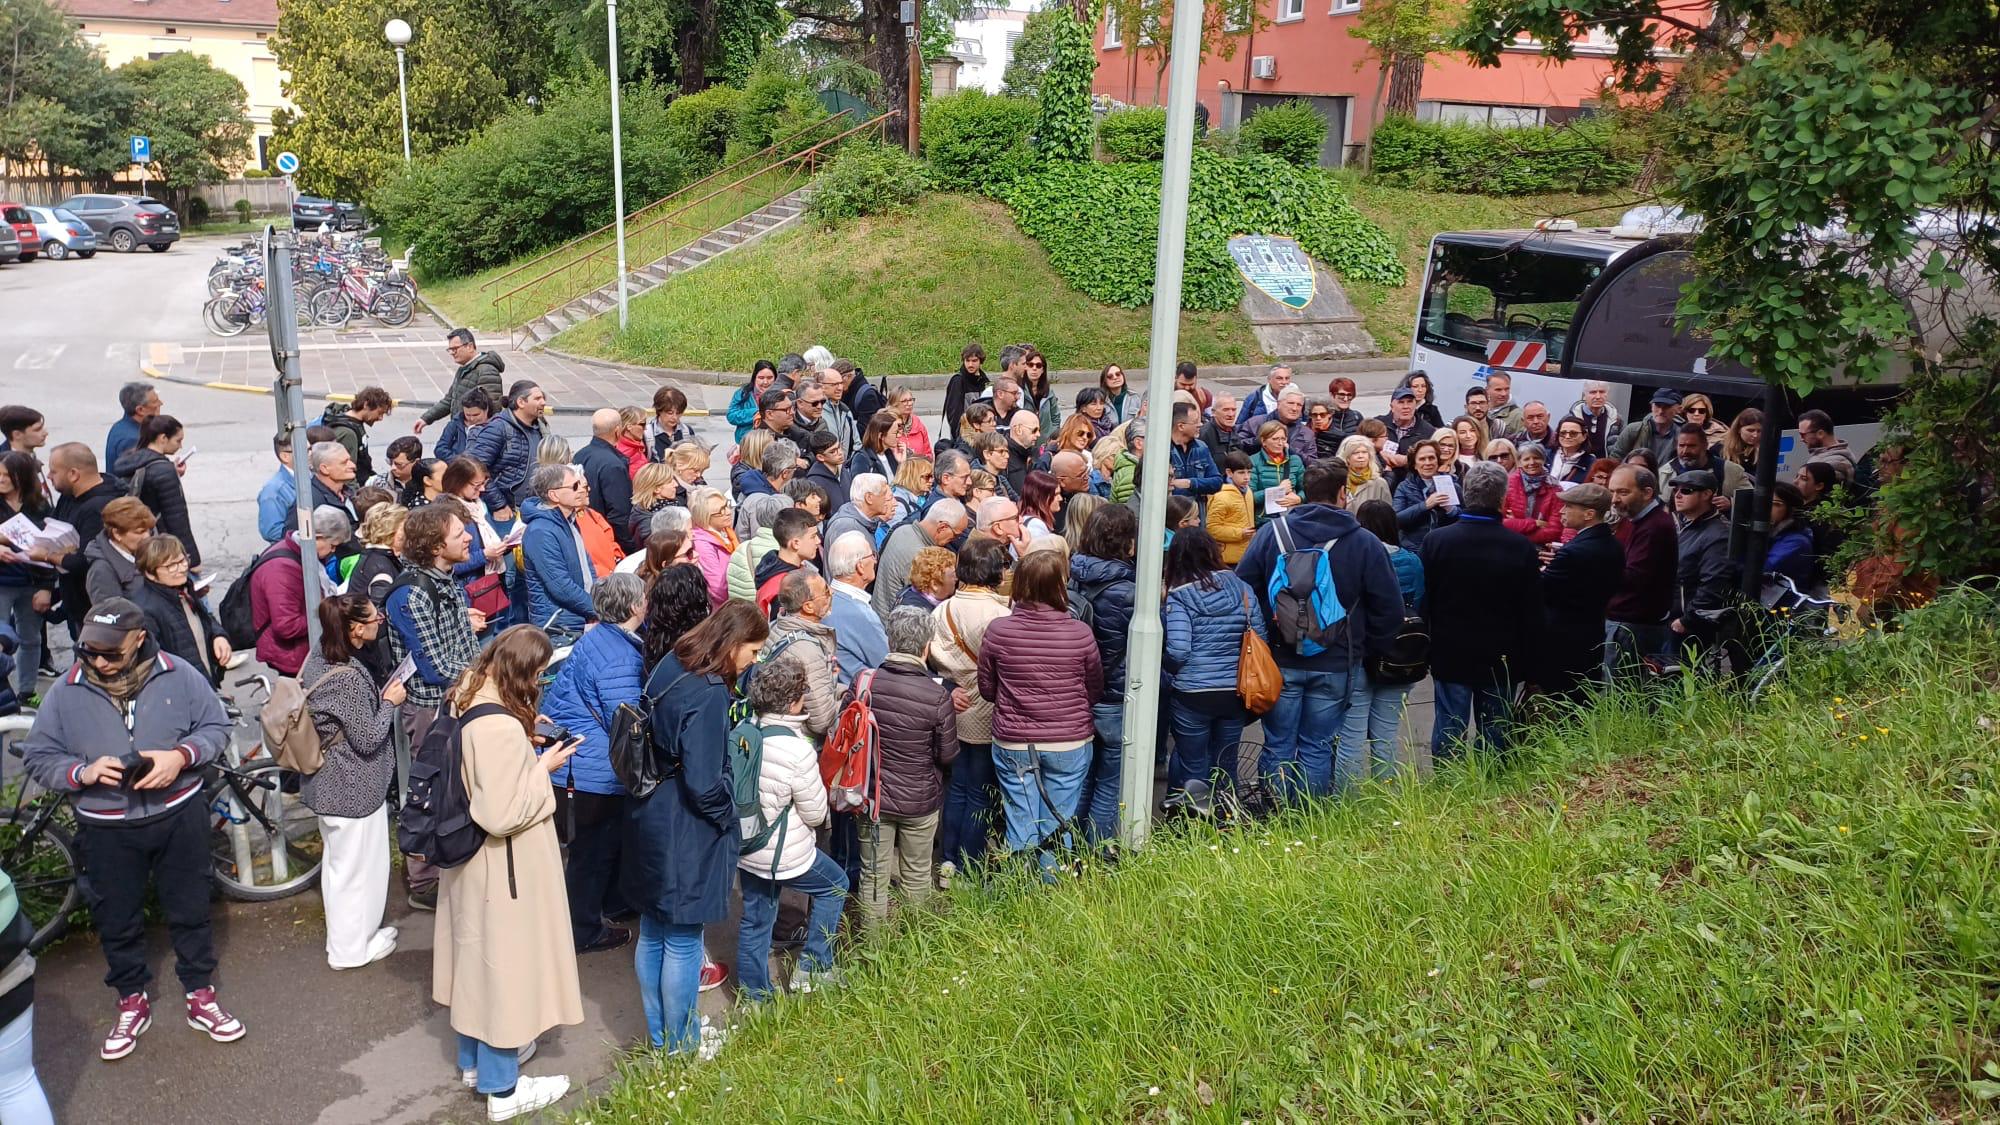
1681, 906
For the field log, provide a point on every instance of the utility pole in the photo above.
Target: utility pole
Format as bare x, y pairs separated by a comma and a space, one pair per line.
913, 21
617, 164
288, 389
1147, 639
397, 32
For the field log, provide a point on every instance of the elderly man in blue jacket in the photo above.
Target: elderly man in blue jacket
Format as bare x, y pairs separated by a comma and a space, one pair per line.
556, 562
1326, 686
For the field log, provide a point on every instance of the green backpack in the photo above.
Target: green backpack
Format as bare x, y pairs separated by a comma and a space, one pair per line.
746, 766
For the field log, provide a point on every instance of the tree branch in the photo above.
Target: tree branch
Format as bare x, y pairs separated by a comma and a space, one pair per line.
806, 12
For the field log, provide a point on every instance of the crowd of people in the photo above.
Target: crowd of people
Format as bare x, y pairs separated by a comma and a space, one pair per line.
970, 591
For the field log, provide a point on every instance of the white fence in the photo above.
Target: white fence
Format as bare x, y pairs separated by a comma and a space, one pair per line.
266, 196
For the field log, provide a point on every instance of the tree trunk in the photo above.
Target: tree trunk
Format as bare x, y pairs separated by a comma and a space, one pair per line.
696, 39
889, 53
1406, 83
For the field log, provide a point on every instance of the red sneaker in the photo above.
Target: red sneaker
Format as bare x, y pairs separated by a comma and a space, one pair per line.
135, 1015
204, 1014
713, 974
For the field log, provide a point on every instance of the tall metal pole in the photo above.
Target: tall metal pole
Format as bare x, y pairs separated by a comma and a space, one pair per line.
403, 92
916, 64
1147, 638
617, 164
288, 389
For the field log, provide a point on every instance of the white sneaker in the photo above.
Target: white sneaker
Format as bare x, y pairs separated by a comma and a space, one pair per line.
470, 1078
712, 1038
945, 871
804, 980
530, 1094
379, 946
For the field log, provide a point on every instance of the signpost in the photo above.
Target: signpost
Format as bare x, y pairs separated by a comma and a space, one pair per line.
287, 163
142, 155
288, 389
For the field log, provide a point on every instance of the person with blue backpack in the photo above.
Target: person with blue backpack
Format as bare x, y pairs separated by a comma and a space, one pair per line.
1331, 599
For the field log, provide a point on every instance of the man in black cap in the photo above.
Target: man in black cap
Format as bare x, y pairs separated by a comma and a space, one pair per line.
1577, 584
1657, 434
1404, 429
1706, 577
126, 732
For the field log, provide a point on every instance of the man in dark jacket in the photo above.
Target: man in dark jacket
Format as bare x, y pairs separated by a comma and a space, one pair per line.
1103, 576
1636, 619
476, 369
1577, 584
151, 472
609, 476
1483, 599
1705, 576
967, 384
862, 398
1326, 691
916, 737
1194, 473
84, 492
350, 425
1657, 433
827, 457
126, 734
138, 402
506, 446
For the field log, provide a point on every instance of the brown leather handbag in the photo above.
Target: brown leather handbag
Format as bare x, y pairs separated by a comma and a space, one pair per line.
1258, 680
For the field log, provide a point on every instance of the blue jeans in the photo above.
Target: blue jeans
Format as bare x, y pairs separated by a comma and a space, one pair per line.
17, 602
1480, 707
1204, 745
826, 883
22, 1101
1101, 786
1386, 703
668, 958
1316, 709
1030, 819
499, 1067
969, 805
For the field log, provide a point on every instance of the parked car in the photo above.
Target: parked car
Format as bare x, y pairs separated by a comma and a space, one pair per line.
126, 222
16, 215
310, 212
63, 234
10, 244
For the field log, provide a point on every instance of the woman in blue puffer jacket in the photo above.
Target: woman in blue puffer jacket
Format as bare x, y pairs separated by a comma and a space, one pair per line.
604, 669
1207, 610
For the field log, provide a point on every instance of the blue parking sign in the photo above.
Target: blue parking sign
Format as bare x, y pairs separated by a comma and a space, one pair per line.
288, 162
142, 149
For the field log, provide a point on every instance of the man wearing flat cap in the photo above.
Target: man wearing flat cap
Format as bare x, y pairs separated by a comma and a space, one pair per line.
1706, 577
1577, 585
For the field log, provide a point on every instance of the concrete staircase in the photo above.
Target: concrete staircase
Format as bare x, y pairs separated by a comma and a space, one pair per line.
779, 213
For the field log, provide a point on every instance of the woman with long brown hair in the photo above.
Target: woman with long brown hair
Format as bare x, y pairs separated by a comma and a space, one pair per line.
504, 960
680, 846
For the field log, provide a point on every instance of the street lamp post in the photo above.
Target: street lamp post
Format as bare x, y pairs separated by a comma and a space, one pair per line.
398, 34
617, 161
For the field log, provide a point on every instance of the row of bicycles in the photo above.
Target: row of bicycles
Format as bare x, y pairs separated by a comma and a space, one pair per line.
336, 278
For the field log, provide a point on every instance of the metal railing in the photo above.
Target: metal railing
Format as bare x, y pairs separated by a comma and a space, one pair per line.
715, 201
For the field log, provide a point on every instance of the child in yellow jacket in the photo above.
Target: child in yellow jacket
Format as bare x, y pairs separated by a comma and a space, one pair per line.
1231, 517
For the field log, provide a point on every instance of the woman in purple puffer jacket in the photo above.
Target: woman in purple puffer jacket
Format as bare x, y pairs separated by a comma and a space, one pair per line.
1040, 669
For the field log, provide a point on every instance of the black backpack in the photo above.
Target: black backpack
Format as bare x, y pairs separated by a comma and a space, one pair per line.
634, 761
1408, 658
235, 615
435, 822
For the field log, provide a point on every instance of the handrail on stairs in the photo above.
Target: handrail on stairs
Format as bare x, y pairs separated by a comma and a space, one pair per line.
805, 160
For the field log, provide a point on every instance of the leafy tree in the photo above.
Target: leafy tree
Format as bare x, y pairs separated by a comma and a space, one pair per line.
1402, 35
59, 104
1033, 52
1066, 126
1146, 28
688, 43
196, 115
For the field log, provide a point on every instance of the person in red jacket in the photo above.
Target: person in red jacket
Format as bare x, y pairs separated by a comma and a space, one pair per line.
277, 591
1635, 624
1039, 667
916, 738
1533, 506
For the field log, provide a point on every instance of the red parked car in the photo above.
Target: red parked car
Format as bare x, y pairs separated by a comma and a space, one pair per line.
17, 216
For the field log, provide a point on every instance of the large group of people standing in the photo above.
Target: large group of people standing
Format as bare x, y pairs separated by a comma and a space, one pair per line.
971, 589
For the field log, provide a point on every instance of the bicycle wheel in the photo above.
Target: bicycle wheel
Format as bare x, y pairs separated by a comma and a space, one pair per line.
332, 308
224, 316
265, 841
44, 867
393, 306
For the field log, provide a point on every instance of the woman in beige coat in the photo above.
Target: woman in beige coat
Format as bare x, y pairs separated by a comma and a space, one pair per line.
505, 961
958, 625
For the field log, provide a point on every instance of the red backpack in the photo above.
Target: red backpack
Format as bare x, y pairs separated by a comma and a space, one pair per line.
848, 759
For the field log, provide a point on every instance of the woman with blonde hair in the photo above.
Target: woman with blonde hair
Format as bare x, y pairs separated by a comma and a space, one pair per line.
1364, 477
504, 960
690, 463
1472, 438
911, 484
711, 513
903, 404
749, 455
1698, 409
1076, 513
653, 488
632, 438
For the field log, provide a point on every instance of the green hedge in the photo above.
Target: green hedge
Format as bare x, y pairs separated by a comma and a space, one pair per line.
1100, 225
1587, 156
701, 124
1291, 131
530, 180
975, 141
1137, 133
867, 178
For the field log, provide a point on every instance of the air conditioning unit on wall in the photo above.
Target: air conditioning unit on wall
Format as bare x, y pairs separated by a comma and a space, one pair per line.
1264, 66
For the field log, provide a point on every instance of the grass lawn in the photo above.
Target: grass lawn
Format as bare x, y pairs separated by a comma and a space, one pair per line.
898, 294
1687, 907
231, 226
1412, 217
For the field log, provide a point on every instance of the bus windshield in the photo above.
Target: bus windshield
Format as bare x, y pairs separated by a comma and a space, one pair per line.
1476, 294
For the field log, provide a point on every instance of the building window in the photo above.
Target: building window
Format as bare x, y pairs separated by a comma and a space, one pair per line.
1291, 10
1490, 116
1111, 30
1013, 37
264, 158
1344, 7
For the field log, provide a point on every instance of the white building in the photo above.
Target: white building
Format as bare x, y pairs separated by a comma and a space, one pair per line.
984, 42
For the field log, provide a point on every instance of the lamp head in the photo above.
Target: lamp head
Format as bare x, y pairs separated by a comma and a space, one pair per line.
397, 32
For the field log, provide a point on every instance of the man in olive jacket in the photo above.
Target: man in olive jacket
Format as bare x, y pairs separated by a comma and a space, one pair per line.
476, 369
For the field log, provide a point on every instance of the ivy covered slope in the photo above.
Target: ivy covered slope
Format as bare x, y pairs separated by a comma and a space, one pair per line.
1100, 224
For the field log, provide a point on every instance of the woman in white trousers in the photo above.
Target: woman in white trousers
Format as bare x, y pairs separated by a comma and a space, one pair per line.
350, 790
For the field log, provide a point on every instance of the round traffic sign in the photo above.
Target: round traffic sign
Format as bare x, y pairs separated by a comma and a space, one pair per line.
288, 162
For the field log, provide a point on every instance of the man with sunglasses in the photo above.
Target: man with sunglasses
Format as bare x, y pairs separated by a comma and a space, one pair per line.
126, 732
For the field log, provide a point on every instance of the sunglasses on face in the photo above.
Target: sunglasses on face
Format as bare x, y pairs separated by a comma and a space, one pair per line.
92, 652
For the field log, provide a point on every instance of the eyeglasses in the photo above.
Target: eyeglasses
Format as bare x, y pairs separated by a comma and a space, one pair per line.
1322, 413
1037, 365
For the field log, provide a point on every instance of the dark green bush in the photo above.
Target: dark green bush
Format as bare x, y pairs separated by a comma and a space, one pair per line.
1137, 133
867, 178
1586, 156
1291, 131
757, 111
530, 180
197, 210
978, 142
1100, 224
700, 125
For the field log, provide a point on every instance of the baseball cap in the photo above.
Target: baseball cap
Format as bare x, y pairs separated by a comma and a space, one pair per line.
109, 621
1596, 497
1666, 396
1695, 480
1402, 393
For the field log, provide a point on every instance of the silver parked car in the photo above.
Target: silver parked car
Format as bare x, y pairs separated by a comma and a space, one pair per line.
10, 244
63, 234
